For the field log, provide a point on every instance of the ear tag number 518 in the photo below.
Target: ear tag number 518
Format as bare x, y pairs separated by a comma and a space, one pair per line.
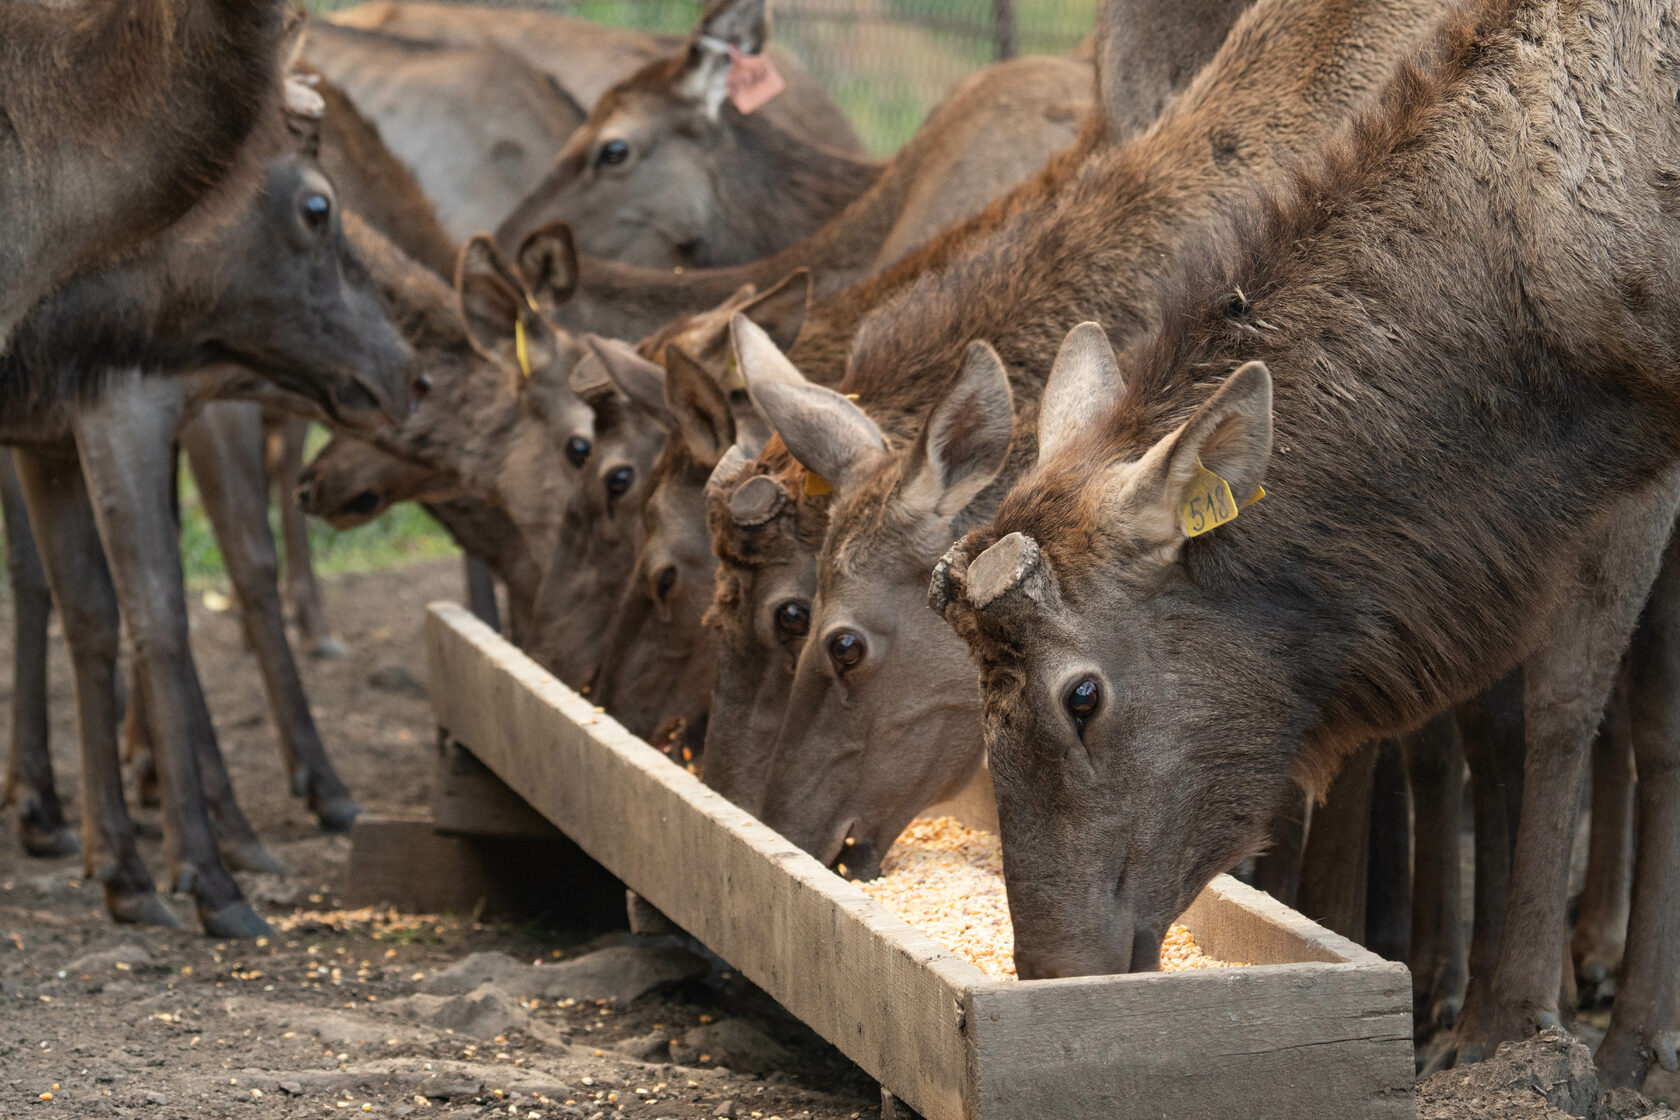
1208, 503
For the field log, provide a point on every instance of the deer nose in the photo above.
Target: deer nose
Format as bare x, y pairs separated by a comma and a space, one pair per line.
305, 492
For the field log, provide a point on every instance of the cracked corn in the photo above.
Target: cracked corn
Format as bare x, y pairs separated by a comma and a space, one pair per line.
947, 880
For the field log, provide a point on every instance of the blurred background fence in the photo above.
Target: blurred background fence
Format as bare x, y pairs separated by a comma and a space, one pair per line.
885, 62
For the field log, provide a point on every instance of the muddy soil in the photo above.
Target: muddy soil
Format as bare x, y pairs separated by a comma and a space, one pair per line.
362, 1012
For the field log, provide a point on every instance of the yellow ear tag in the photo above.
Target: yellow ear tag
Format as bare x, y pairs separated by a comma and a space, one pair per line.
521, 348
816, 485
733, 382
531, 302
1208, 503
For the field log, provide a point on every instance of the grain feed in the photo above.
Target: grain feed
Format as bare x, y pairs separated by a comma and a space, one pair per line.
947, 880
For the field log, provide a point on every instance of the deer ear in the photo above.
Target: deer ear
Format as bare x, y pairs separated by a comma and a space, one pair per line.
489, 305
636, 377
965, 442
548, 264
1084, 387
781, 309
826, 432
1203, 474
741, 24
699, 406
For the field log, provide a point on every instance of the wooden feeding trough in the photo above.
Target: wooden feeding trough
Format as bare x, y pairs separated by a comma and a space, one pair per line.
1318, 1029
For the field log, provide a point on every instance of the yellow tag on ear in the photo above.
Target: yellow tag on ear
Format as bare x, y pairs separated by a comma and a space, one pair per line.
531, 302
732, 379
1259, 492
521, 348
1208, 503
816, 485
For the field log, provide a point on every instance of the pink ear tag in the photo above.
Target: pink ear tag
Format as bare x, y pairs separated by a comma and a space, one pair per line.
752, 80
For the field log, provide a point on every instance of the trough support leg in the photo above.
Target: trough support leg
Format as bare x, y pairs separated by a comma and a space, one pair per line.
894, 1109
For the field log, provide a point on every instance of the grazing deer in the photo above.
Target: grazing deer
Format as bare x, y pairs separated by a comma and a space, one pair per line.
914, 438
1447, 354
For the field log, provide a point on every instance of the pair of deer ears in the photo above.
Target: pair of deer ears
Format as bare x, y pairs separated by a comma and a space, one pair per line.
741, 24
965, 443
499, 309
690, 395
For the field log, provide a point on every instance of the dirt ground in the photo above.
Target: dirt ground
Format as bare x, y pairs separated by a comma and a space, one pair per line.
362, 1012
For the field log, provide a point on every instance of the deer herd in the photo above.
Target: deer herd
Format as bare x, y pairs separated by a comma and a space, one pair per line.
1277, 403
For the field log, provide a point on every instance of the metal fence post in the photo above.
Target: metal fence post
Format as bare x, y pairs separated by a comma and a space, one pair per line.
1003, 28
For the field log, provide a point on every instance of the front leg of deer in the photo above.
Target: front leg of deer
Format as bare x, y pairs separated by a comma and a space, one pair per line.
1645, 1026
1601, 930
1567, 683
126, 446
63, 523
1434, 767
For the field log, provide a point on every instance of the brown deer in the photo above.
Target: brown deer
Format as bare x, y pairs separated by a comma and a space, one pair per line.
121, 117
668, 172
658, 635
920, 450
478, 124
1443, 388
277, 290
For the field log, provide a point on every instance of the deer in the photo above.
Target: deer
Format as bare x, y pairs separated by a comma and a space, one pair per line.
906, 460
276, 289
670, 171
659, 645
123, 117
1306, 360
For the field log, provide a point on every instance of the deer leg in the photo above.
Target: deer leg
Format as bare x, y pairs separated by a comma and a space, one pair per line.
29, 772
1333, 868
63, 522
1645, 1023
224, 446
1435, 769
1566, 685
302, 591
1388, 895
481, 592
126, 443
1601, 929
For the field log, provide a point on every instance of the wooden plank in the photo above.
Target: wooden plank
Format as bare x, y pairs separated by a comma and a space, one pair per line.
1327, 1038
469, 800
883, 992
1286, 1041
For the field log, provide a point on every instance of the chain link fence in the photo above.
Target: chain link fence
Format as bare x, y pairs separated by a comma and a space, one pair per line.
885, 62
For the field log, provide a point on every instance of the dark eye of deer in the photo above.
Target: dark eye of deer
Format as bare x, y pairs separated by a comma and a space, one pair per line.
846, 649
577, 451
1082, 702
619, 480
793, 618
613, 151
317, 210
664, 581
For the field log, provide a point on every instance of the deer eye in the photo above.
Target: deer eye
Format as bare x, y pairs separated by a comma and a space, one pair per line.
577, 451
846, 650
613, 151
793, 618
317, 210
1082, 701
619, 480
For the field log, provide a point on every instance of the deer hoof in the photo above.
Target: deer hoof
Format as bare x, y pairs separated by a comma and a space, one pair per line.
337, 814
142, 908
251, 855
48, 842
235, 919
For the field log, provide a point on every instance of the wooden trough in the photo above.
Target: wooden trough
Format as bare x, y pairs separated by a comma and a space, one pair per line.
1319, 1029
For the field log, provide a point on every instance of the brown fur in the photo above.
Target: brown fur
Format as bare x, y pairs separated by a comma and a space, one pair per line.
1467, 313
145, 107
1080, 242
